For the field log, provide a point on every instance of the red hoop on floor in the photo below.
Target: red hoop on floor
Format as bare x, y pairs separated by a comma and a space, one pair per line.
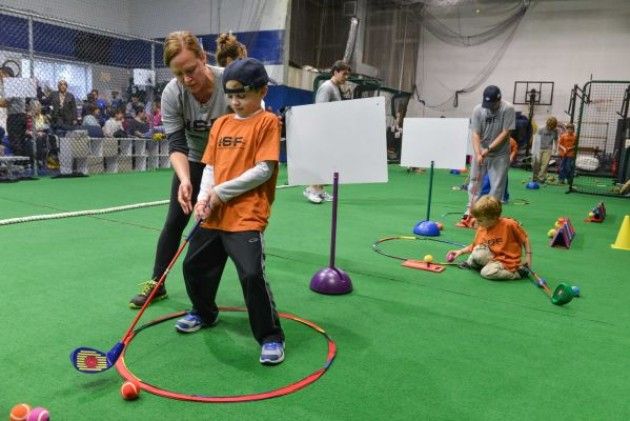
285, 390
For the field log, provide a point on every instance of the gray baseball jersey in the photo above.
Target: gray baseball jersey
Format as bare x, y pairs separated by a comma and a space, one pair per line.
180, 110
490, 123
328, 92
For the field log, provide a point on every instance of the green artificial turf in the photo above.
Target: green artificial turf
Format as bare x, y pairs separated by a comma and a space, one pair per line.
410, 344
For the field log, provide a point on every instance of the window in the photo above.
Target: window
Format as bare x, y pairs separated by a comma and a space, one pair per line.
48, 73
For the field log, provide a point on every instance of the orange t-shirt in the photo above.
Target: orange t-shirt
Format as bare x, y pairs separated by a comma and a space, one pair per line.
234, 146
505, 240
567, 141
513, 147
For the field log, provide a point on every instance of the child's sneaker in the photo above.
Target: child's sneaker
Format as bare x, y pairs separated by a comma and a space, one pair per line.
272, 353
312, 196
467, 221
138, 300
326, 197
192, 322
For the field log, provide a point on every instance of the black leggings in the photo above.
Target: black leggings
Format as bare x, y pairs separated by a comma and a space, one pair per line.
176, 221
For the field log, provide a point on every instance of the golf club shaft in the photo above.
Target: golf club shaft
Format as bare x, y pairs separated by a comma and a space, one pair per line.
159, 283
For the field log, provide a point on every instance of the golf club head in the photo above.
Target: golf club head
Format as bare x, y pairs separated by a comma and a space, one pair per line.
89, 360
562, 295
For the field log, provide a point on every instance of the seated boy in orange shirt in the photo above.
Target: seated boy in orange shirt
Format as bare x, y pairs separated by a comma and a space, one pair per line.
497, 247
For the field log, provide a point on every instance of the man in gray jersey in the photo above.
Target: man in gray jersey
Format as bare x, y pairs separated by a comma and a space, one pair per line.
490, 124
191, 101
329, 91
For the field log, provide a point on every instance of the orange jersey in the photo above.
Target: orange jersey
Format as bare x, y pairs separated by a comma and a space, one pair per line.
234, 146
567, 141
513, 148
505, 240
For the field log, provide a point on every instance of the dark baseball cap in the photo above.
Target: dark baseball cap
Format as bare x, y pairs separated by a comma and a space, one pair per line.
491, 95
249, 72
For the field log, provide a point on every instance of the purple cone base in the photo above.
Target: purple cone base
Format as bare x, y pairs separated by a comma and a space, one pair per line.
331, 281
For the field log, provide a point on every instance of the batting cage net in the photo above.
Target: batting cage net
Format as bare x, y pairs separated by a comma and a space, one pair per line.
77, 100
602, 162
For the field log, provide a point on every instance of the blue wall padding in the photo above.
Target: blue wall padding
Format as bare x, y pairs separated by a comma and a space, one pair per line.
72, 44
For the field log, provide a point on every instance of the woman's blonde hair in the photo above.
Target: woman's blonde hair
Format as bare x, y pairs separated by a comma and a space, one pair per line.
487, 207
228, 47
177, 41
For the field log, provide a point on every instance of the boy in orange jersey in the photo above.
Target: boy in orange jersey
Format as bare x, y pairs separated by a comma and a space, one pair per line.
235, 197
497, 247
566, 147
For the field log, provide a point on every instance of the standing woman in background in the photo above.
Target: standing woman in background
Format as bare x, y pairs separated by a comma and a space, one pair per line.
191, 102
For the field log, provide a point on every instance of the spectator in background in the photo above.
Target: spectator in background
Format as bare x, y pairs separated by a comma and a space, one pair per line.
157, 113
40, 132
114, 125
91, 115
228, 49
133, 104
548, 139
64, 108
91, 99
16, 119
329, 91
91, 120
138, 127
117, 103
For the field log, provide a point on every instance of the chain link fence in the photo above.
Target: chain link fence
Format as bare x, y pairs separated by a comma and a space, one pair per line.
602, 164
76, 100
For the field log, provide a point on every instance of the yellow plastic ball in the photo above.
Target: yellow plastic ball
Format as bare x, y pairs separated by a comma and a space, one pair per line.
551, 233
428, 258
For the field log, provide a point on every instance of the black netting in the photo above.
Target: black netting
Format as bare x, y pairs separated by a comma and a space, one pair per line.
61, 83
603, 138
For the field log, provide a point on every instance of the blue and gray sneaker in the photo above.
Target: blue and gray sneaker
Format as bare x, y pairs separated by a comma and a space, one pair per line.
192, 322
272, 353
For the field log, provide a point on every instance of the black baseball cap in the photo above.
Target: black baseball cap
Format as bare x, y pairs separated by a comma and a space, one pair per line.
249, 72
491, 95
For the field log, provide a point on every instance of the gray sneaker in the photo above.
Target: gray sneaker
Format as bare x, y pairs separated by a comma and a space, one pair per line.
138, 300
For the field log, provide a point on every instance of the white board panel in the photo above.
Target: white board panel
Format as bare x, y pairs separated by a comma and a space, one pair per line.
348, 137
19, 87
441, 140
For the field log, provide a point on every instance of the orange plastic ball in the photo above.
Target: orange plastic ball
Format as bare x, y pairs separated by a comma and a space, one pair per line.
20, 412
129, 391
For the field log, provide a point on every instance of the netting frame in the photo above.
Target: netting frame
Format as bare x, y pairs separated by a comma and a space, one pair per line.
615, 157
